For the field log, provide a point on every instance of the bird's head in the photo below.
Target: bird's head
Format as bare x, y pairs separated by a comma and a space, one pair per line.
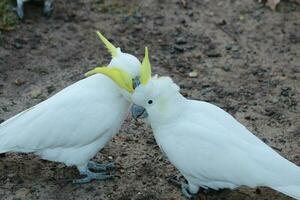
120, 60
125, 69
155, 99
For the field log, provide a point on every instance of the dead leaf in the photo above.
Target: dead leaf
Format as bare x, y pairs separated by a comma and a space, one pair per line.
184, 3
19, 82
271, 3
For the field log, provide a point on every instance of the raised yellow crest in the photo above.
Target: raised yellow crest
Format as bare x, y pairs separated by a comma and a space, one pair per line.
111, 48
122, 78
145, 73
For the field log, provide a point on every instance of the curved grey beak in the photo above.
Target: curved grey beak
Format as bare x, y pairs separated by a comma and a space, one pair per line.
138, 112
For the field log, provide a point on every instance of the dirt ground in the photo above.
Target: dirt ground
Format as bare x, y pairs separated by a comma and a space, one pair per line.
237, 54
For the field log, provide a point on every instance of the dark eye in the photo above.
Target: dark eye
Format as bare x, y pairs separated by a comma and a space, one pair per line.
150, 102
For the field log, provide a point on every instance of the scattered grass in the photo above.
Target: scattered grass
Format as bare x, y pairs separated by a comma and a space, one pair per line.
8, 18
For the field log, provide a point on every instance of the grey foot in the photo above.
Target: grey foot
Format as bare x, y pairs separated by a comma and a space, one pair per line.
185, 188
48, 7
92, 176
185, 191
20, 9
100, 167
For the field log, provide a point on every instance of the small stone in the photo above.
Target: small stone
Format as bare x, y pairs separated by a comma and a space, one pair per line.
235, 48
265, 140
179, 49
5, 109
159, 22
294, 38
228, 47
213, 54
183, 21
36, 93
241, 17
226, 68
50, 89
181, 40
110, 157
190, 13
222, 22
282, 141
248, 117
22, 193
285, 91
210, 13
19, 82
17, 45
193, 74
269, 112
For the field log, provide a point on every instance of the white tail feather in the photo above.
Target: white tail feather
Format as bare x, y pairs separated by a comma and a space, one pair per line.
291, 190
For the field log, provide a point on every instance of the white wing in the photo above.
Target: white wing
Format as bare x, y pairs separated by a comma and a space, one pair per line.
74, 117
212, 149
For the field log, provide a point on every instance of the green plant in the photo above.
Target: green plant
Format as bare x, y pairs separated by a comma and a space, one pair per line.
7, 16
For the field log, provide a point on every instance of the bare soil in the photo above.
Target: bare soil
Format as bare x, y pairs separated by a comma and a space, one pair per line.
243, 57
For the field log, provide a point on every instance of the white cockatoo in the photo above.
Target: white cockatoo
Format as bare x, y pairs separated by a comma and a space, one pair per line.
48, 7
207, 145
74, 124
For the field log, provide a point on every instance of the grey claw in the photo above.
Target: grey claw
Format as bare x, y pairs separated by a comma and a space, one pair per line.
102, 176
20, 9
101, 167
20, 13
92, 176
174, 180
185, 191
82, 180
48, 8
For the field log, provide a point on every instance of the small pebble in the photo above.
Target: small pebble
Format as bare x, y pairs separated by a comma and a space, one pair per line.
213, 54
241, 17
179, 49
181, 40
17, 45
228, 47
193, 74
190, 13
36, 93
226, 68
19, 82
222, 22
235, 48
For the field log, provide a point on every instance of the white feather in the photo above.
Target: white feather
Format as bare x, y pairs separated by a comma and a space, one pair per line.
74, 124
209, 147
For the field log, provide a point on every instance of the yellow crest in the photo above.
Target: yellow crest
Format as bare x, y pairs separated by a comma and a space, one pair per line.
145, 74
122, 78
111, 48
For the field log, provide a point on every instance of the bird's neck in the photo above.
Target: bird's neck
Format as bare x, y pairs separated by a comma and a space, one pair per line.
126, 95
